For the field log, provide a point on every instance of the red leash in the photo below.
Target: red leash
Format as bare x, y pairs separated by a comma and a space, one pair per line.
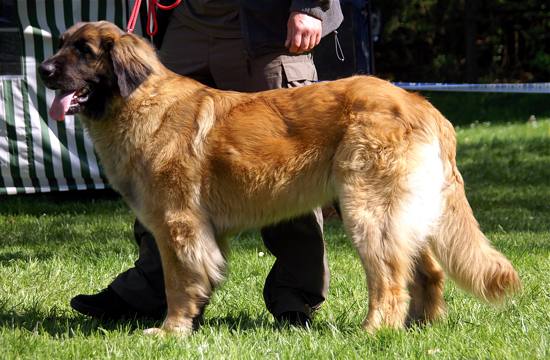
151, 15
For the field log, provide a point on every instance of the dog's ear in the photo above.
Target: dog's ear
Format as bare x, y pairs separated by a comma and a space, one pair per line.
131, 57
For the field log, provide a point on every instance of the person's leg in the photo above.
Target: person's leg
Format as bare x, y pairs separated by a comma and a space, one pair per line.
142, 286
137, 292
298, 281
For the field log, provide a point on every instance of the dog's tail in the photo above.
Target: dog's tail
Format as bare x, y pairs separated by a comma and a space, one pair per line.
464, 251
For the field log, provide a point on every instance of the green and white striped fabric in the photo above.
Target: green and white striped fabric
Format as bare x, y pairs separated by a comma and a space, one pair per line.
38, 154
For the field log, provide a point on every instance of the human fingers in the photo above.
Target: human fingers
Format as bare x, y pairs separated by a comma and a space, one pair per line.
296, 42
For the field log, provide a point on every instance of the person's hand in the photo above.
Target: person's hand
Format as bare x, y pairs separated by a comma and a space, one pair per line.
303, 32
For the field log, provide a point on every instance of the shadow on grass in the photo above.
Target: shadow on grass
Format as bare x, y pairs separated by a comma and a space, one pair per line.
39, 255
98, 202
59, 324
509, 163
509, 180
64, 230
241, 321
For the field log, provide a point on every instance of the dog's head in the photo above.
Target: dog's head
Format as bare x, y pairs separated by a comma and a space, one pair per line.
95, 63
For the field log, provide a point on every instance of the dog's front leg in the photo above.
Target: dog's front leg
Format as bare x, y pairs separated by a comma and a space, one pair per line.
193, 264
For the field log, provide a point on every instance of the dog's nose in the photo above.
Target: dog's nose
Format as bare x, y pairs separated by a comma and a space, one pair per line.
46, 70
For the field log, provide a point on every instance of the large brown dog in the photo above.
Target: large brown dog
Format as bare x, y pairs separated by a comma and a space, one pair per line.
198, 164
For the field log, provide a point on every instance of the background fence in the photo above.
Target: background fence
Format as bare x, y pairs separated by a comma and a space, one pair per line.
38, 154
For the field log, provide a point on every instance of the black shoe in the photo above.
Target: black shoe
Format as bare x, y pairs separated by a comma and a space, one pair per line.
294, 318
108, 305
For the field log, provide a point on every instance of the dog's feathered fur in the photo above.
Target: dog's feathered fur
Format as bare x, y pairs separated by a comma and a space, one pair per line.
198, 164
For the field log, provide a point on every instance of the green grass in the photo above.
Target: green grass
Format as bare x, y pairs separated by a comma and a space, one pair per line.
53, 248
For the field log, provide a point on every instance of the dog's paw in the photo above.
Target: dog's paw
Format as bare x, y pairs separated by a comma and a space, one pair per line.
164, 331
376, 321
154, 332
369, 328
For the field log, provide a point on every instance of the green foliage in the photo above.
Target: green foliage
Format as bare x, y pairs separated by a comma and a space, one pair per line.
426, 40
541, 61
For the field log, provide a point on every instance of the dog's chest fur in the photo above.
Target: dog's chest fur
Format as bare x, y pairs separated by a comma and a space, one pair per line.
120, 156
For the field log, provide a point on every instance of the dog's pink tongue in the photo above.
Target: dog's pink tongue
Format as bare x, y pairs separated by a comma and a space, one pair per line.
60, 105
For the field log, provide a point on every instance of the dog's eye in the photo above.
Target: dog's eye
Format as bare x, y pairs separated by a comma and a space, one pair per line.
84, 48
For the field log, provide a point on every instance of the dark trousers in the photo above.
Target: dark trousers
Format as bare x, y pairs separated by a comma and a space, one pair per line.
299, 278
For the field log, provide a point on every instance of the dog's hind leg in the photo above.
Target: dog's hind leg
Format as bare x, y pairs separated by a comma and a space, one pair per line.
426, 290
390, 211
193, 265
386, 253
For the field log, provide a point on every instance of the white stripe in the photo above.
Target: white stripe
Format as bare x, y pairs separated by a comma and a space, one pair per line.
30, 71
60, 18
4, 147
69, 121
73, 153
22, 150
92, 162
39, 162
29, 190
94, 7
52, 124
110, 14
77, 14
11, 77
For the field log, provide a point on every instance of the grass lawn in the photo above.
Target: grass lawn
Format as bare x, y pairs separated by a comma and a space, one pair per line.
53, 248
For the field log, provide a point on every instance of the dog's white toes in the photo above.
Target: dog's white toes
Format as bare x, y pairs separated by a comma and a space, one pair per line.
161, 332
154, 332
369, 328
